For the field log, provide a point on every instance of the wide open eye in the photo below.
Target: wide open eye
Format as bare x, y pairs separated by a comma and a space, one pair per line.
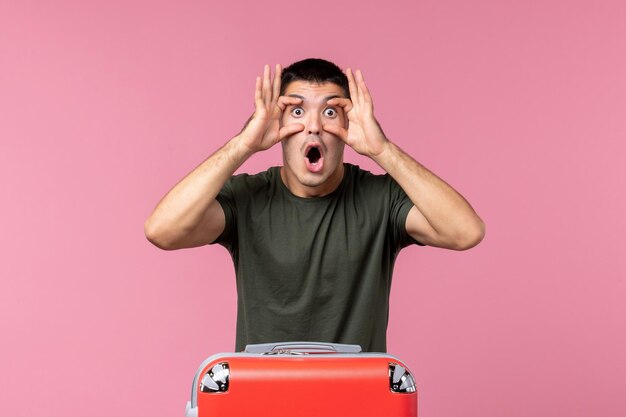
330, 112
297, 112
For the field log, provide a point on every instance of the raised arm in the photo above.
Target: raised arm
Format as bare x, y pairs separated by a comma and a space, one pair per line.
440, 216
189, 215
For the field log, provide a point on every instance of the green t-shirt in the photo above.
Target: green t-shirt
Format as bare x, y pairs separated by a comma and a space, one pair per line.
314, 269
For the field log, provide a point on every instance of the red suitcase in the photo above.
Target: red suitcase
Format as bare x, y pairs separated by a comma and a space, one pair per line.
302, 379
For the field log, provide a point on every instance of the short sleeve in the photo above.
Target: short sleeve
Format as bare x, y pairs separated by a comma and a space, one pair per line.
400, 205
226, 198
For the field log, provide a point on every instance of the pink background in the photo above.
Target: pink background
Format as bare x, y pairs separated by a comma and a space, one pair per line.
520, 105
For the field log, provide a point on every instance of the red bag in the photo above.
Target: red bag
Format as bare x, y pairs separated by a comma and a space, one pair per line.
302, 379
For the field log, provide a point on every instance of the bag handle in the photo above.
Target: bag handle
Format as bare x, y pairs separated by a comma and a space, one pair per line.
301, 348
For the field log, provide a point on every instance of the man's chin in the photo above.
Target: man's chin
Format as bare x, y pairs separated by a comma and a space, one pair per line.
313, 179
323, 182
302, 181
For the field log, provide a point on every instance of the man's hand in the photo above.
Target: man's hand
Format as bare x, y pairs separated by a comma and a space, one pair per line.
189, 214
363, 134
263, 129
440, 216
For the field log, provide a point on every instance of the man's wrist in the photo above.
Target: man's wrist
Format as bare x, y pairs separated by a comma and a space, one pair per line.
240, 149
386, 155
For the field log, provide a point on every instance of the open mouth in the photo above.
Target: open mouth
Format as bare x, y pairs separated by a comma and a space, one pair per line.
313, 157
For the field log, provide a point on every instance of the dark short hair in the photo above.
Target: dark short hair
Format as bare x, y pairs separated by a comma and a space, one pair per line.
314, 70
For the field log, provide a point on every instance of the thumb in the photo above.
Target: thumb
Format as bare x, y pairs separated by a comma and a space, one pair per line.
290, 129
337, 131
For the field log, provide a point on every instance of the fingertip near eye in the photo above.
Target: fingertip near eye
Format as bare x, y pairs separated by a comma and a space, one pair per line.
283, 101
338, 101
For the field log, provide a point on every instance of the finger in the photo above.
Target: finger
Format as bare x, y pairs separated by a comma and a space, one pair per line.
258, 95
345, 103
354, 95
284, 101
339, 131
365, 93
358, 81
266, 85
276, 84
358, 76
290, 129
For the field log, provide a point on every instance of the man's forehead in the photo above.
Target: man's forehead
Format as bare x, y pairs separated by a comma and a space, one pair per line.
315, 92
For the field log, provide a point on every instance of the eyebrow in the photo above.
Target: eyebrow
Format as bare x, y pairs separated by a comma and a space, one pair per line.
325, 99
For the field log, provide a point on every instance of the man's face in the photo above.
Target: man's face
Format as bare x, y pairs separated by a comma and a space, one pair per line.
313, 158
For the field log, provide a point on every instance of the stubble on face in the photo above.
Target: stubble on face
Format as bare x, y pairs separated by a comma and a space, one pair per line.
313, 158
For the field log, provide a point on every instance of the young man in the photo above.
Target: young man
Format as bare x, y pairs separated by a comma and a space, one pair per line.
314, 241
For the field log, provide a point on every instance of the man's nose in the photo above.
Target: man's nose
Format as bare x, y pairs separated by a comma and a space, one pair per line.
314, 125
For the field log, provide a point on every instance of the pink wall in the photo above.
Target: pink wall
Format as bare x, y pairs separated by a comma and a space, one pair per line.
104, 105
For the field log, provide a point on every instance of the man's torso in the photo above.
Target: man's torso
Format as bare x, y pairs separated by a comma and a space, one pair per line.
316, 269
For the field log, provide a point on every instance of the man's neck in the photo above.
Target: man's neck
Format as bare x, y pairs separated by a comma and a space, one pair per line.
299, 189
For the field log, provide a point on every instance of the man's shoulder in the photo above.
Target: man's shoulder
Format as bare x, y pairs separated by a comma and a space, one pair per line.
361, 177
257, 180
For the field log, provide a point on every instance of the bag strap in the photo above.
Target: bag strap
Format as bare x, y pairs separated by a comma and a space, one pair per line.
301, 348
